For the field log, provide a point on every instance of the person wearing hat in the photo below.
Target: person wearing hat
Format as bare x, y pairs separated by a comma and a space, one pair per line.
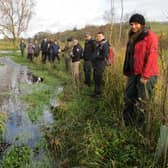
141, 69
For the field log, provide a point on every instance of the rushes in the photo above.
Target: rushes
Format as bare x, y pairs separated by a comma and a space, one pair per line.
162, 146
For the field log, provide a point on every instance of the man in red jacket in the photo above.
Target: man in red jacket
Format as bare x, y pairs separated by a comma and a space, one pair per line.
141, 68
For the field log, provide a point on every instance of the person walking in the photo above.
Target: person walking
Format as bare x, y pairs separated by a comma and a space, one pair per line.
89, 48
22, 47
76, 55
100, 56
141, 69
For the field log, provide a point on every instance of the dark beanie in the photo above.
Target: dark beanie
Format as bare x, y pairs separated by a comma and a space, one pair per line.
137, 18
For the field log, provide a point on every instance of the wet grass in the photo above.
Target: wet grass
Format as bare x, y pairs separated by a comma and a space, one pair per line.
24, 156
37, 97
41, 93
3, 118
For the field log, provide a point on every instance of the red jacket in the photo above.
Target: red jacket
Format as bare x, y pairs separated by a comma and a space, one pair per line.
145, 58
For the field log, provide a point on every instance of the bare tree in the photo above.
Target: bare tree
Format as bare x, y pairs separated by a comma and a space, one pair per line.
166, 14
112, 19
121, 20
15, 17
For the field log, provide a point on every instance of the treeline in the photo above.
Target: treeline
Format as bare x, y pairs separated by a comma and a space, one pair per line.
111, 32
79, 33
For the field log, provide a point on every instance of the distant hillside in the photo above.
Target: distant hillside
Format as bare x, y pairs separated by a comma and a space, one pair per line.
157, 27
79, 33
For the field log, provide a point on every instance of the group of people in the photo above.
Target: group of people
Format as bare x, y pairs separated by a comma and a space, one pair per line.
140, 65
49, 49
94, 54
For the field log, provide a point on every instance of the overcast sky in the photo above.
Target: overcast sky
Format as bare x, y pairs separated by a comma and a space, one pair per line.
59, 15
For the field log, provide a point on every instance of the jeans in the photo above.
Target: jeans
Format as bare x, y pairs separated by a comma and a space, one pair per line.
136, 96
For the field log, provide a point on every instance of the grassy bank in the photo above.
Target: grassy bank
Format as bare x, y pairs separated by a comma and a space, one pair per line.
90, 133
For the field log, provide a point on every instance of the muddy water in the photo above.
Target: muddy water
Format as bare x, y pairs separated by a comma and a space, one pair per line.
19, 128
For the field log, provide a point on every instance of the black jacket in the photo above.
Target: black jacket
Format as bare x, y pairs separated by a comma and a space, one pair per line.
22, 46
44, 46
101, 52
89, 49
77, 53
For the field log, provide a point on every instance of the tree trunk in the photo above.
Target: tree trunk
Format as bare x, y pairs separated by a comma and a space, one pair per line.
112, 20
121, 20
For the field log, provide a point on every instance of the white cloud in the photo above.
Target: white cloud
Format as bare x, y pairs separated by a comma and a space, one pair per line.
58, 15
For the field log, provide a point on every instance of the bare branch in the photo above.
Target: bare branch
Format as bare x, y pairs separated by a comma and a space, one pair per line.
121, 20
15, 16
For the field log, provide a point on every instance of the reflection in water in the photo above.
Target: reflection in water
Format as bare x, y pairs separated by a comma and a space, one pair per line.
19, 128
5, 52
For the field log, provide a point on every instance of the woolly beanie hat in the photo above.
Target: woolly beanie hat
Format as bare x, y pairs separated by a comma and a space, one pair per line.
137, 18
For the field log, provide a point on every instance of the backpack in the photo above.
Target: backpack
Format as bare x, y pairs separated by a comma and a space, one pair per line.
110, 59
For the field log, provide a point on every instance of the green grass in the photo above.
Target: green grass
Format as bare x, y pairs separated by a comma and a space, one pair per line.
16, 157
89, 133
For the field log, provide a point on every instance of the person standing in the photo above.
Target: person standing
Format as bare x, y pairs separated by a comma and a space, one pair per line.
30, 51
22, 47
56, 50
100, 56
50, 51
141, 69
36, 49
44, 49
76, 55
67, 54
89, 48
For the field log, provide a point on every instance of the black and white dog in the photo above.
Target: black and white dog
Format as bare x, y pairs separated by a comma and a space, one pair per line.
33, 78
36, 79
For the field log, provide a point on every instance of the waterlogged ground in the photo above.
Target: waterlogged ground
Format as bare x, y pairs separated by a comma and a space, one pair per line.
16, 81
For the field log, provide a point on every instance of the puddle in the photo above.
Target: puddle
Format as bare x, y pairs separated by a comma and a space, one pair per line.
6, 51
19, 128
